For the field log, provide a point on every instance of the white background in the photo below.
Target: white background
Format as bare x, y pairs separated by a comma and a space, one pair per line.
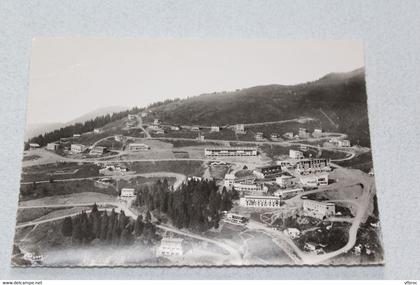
389, 29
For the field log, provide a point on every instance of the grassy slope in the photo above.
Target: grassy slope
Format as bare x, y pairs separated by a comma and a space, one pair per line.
341, 97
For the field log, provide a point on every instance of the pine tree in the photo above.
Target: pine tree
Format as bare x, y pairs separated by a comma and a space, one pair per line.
67, 227
138, 225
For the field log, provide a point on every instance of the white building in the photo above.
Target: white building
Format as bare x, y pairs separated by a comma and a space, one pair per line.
259, 136
118, 138
214, 129
318, 209
292, 232
295, 154
160, 131
285, 181
239, 128
260, 201
303, 133
113, 170
156, 122
77, 148
314, 179
195, 128
303, 147
310, 246
97, 131
229, 180
236, 218
170, 246
175, 128
312, 165
317, 133
138, 147
200, 138
34, 145
127, 193
288, 135
53, 146
343, 143
255, 189
131, 117
231, 151
274, 136
97, 150
269, 171
288, 191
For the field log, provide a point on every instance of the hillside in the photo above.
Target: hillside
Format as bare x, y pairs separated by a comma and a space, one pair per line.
33, 130
337, 101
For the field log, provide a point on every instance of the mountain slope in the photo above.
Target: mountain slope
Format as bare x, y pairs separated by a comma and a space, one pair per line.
33, 130
337, 101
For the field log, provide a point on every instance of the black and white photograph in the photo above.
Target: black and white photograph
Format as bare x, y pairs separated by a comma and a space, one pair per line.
165, 152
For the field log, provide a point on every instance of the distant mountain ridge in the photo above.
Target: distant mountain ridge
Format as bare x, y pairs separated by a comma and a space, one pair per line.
33, 130
337, 101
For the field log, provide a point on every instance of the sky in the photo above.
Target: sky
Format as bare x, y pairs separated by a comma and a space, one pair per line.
70, 77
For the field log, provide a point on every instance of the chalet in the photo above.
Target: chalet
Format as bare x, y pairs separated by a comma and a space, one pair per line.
236, 218
231, 151
97, 131
274, 136
250, 189
310, 246
317, 133
175, 128
312, 165
239, 128
195, 128
138, 147
131, 117
260, 201
64, 140
156, 122
53, 146
259, 136
97, 150
170, 246
287, 192
285, 181
229, 180
295, 154
160, 131
293, 233
318, 209
118, 138
270, 171
288, 135
303, 133
33, 145
343, 143
214, 129
77, 148
314, 179
113, 170
76, 136
200, 138
127, 193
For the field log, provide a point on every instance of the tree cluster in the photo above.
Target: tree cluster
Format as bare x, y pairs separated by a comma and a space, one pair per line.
111, 228
196, 205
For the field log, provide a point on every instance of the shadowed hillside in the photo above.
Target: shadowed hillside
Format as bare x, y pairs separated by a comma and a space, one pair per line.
337, 100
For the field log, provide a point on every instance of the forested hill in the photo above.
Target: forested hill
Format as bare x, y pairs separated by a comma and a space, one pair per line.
337, 100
